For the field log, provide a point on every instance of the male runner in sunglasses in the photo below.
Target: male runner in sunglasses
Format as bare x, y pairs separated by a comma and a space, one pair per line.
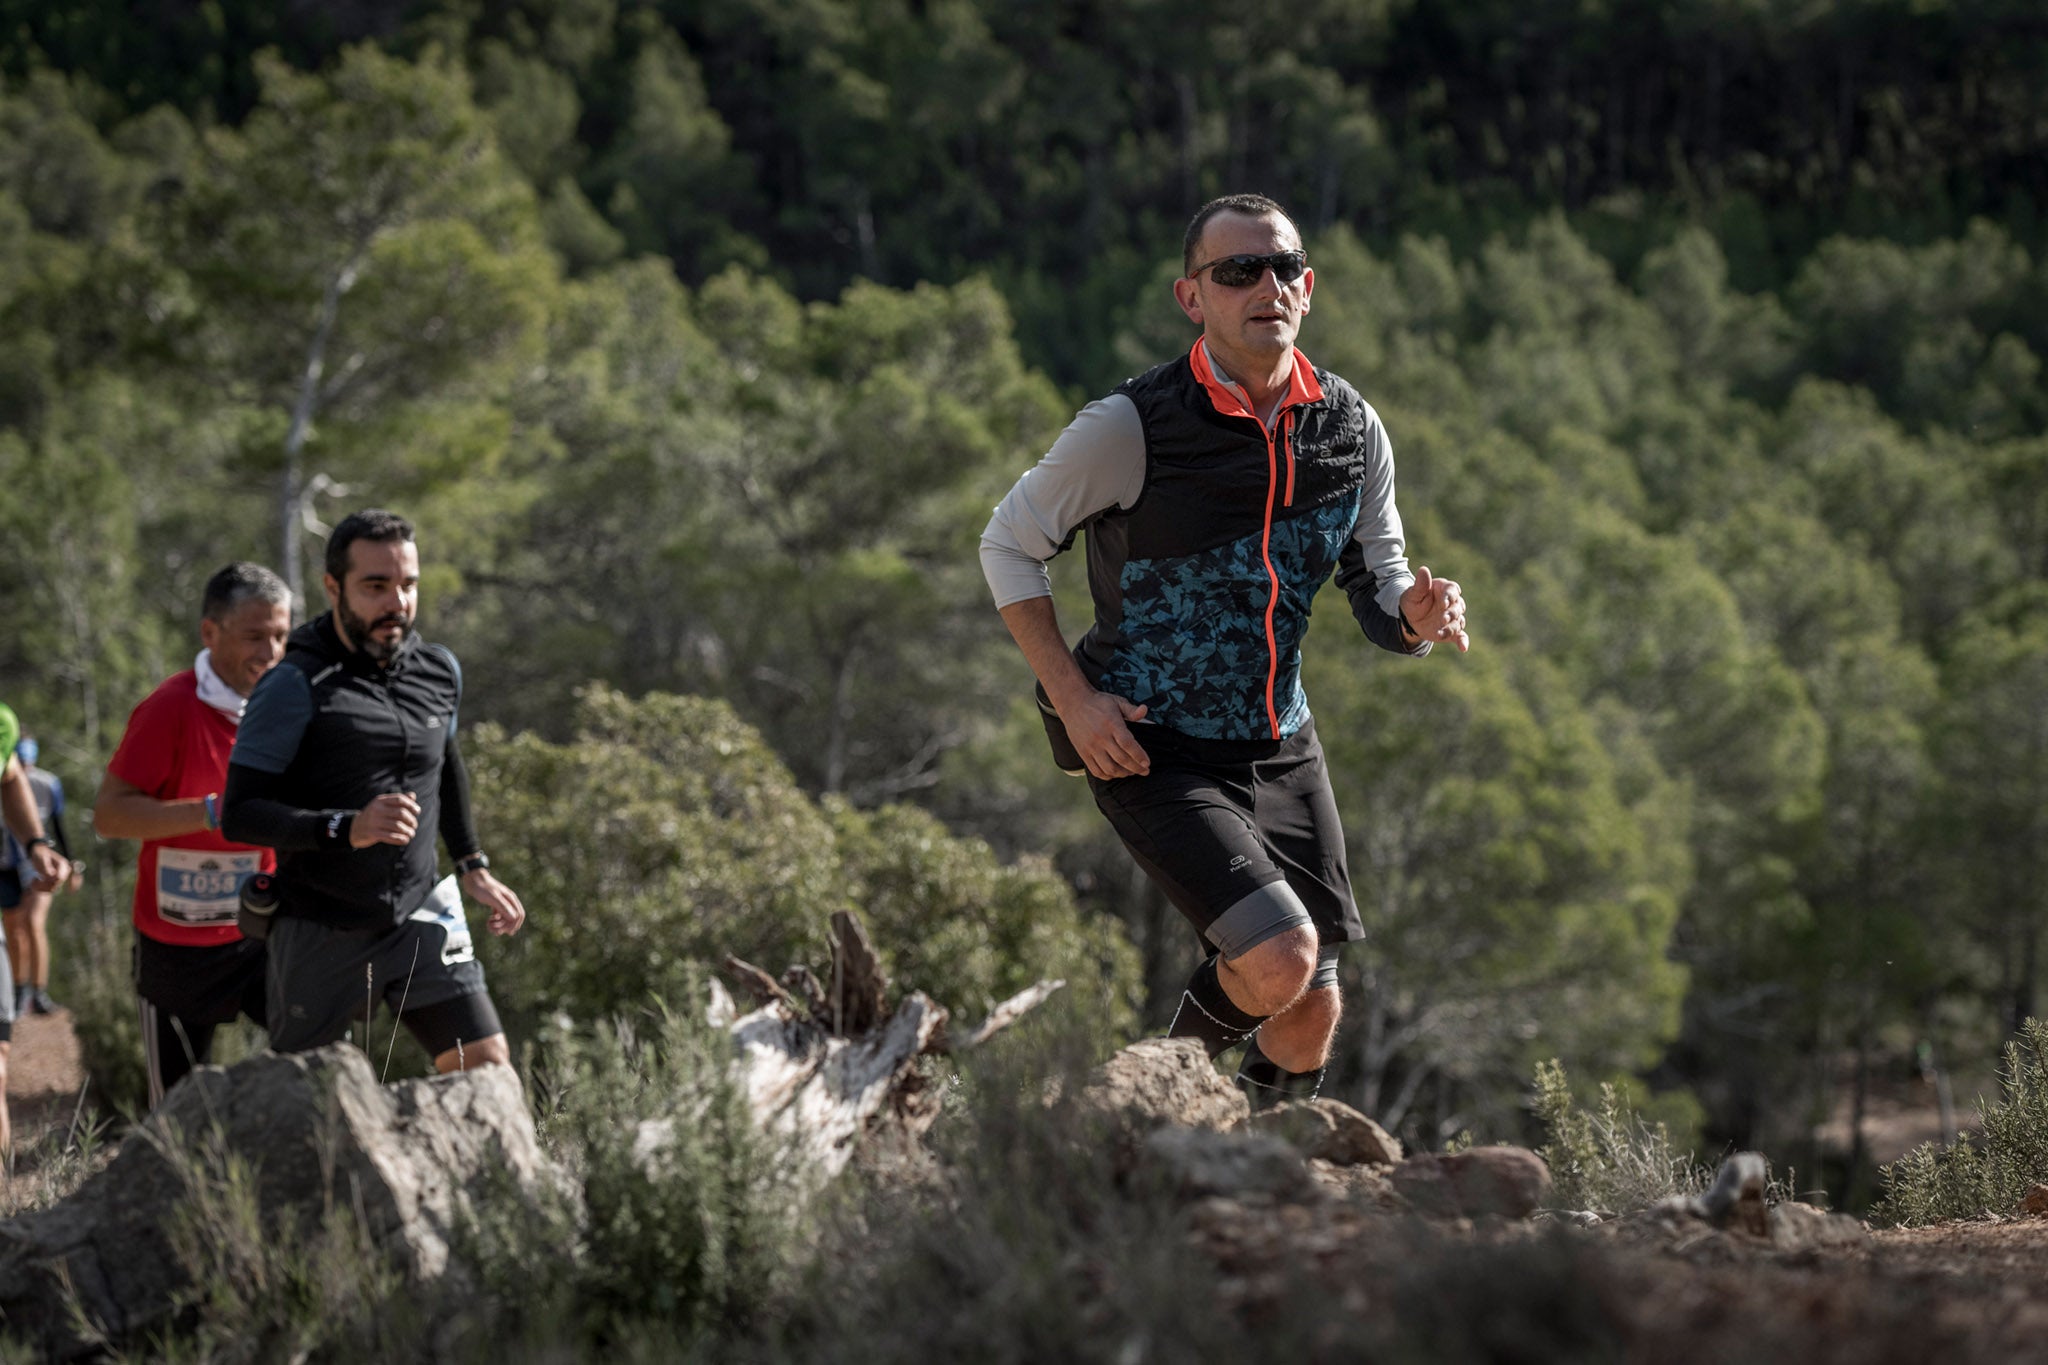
1219, 491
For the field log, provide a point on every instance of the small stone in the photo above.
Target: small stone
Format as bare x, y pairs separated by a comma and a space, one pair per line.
1802, 1227
1330, 1131
1505, 1182
1578, 1218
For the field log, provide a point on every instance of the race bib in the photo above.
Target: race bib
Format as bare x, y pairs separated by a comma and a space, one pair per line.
201, 887
444, 907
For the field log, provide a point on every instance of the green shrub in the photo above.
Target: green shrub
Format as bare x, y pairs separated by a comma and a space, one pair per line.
668, 834
1931, 1184
1609, 1159
267, 1292
52, 1164
100, 993
1027, 1247
691, 1215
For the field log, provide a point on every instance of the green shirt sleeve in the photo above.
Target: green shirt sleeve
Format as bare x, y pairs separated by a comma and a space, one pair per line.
10, 731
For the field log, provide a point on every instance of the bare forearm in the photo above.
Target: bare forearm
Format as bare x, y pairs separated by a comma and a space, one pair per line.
1035, 626
131, 814
18, 804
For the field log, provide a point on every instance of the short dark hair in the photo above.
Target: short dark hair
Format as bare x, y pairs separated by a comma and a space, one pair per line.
372, 523
241, 582
1251, 205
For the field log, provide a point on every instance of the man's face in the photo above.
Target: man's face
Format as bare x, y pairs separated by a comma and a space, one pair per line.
1258, 320
247, 643
375, 604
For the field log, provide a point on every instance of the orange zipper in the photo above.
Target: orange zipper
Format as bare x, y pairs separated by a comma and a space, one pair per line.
1272, 576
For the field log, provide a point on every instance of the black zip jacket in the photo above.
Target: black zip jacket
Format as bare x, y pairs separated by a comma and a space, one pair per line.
327, 731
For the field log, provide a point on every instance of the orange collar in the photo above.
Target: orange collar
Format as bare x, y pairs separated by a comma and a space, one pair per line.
1229, 398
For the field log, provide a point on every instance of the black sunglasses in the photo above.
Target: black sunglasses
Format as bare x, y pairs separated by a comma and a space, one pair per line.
1235, 272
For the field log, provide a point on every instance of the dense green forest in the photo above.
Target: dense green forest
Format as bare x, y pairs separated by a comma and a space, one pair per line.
699, 339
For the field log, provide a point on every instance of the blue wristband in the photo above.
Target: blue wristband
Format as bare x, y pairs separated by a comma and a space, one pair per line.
212, 811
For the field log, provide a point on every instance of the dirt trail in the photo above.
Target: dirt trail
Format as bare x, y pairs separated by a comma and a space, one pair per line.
44, 1075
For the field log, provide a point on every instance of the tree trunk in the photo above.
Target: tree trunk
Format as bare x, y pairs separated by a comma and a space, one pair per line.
1190, 158
838, 718
1859, 1105
2023, 983
291, 490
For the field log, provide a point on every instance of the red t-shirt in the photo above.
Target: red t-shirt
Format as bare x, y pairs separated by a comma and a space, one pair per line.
177, 748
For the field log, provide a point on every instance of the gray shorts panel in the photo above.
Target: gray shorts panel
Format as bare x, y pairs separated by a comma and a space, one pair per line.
1266, 913
1326, 967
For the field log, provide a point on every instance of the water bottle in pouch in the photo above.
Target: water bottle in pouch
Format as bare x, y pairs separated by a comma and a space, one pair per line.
258, 904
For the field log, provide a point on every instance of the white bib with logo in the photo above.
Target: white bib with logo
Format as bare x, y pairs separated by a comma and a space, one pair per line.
200, 886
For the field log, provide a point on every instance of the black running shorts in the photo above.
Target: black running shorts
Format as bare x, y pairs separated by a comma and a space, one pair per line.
322, 980
1241, 835
202, 984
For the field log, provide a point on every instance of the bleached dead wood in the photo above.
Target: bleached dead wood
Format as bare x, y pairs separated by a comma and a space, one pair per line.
823, 1071
819, 1090
860, 988
1001, 1017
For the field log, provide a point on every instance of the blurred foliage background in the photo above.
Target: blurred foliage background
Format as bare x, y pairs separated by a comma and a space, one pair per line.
699, 339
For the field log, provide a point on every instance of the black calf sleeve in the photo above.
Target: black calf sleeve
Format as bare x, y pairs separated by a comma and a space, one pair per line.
1206, 1012
1265, 1084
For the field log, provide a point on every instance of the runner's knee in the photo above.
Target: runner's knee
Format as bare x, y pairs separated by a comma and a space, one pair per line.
1318, 1010
1274, 973
1299, 1038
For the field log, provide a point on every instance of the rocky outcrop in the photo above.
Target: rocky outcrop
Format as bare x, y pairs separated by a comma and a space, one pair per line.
303, 1135
1327, 1130
1158, 1082
1181, 1123
1195, 1163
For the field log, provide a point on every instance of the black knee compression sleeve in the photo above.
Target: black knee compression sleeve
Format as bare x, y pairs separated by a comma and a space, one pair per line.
1265, 1084
1206, 1012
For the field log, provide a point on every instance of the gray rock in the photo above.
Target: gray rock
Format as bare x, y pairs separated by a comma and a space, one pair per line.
1165, 1080
1194, 1163
1503, 1182
1330, 1131
315, 1131
1802, 1227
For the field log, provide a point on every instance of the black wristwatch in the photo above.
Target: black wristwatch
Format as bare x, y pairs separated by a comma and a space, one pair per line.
475, 862
45, 840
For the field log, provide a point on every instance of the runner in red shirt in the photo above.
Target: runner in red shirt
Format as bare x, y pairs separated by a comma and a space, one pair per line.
193, 969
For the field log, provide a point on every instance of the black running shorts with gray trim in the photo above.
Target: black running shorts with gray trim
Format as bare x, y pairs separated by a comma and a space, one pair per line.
322, 980
1217, 821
